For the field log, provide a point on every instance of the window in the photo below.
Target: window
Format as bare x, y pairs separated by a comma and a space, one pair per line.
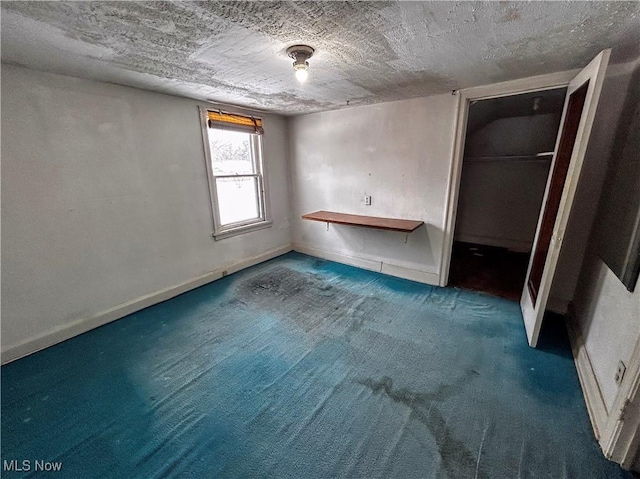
233, 145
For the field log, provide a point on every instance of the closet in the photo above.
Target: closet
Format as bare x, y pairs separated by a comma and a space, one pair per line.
508, 152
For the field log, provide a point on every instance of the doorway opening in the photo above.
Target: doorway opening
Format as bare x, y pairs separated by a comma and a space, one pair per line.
509, 147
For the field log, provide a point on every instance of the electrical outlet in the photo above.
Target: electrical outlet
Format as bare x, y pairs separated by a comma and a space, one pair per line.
620, 372
367, 200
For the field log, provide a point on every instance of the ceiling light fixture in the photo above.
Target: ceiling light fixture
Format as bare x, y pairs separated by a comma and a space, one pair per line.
300, 53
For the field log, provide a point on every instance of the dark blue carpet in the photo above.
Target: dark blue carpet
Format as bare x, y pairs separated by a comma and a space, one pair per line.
302, 368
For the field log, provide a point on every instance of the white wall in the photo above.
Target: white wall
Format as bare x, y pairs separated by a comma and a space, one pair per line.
518, 135
105, 200
609, 321
592, 176
397, 152
499, 200
608, 315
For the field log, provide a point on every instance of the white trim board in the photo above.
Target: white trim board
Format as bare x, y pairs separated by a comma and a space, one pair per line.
369, 264
523, 85
622, 434
82, 325
617, 429
593, 397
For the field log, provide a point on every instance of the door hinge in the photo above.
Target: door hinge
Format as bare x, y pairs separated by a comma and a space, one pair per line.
557, 237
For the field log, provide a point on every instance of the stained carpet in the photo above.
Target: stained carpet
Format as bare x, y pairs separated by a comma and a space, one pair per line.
302, 368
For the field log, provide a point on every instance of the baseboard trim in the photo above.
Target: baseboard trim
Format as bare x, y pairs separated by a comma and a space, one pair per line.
79, 326
594, 399
410, 273
621, 441
379, 266
338, 257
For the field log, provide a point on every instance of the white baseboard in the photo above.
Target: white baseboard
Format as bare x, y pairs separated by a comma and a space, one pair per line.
621, 440
339, 257
410, 273
379, 266
617, 428
82, 325
594, 399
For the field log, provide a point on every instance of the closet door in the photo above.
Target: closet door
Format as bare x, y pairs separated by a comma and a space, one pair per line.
579, 110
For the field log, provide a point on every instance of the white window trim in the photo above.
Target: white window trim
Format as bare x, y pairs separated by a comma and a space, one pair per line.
264, 221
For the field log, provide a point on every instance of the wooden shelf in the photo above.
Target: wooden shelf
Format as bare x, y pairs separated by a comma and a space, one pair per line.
390, 224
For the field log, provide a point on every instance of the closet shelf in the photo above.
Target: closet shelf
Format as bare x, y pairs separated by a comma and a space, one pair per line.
390, 224
546, 156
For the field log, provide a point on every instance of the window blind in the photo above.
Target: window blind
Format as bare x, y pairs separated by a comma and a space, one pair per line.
231, 121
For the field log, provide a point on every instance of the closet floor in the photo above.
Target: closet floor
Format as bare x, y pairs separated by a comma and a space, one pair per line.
496, 271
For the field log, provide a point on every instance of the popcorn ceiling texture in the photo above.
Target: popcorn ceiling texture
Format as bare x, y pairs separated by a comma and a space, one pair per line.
366, 52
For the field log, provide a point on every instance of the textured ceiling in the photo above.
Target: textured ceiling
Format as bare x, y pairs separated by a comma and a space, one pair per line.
366, 52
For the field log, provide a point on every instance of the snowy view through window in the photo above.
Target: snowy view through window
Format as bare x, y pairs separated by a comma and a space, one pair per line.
237, 184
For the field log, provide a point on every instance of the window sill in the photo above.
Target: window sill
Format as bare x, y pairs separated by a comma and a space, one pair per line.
227, 233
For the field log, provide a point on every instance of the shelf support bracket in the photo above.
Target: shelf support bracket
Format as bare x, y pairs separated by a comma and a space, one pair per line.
406, 237
327, 226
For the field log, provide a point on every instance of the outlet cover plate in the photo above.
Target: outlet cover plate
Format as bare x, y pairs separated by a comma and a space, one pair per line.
620, 372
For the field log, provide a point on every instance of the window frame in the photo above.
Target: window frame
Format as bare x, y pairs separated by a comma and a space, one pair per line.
257, 154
